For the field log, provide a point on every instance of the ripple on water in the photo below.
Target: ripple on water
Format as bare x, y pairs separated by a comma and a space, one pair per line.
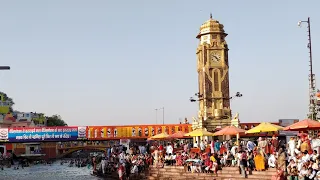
41, 172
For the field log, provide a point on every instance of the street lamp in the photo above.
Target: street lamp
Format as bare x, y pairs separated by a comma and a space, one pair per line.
200, 97
156, 115
312, 83
162, 114
4, 67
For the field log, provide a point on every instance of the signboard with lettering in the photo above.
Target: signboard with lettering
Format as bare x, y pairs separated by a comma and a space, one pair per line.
43, 134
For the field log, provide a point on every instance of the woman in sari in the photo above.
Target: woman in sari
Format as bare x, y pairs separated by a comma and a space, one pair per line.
156, 157
281, 160
179, 159
263, 144
259, 161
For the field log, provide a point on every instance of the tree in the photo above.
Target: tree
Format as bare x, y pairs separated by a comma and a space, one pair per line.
8, 99
55, 120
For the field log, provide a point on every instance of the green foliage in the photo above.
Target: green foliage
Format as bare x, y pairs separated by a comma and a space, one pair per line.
55, 120
8, 99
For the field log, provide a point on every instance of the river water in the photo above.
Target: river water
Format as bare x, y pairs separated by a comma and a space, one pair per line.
45, 172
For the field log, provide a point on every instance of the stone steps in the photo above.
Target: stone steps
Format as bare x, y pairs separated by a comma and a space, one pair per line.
227, 173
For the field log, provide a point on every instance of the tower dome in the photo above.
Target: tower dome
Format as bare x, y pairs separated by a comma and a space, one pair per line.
211, 26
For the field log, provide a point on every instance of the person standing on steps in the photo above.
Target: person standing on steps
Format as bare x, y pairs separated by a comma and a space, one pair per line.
243, 163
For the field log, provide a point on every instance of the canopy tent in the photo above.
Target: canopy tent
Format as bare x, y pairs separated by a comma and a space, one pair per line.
229, 130
199, 132
303, 125
264, 127
159, 136
177, 135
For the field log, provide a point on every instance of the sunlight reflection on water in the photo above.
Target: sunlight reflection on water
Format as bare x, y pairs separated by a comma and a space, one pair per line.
42, 172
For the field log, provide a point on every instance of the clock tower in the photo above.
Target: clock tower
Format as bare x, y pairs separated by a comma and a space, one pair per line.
213, 76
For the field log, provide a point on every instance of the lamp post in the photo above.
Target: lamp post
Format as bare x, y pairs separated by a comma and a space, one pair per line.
156, 115
200, 97
157, 109
4, 67
162, 114
312, 83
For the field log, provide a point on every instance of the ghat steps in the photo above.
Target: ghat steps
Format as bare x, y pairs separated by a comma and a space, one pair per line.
227, 173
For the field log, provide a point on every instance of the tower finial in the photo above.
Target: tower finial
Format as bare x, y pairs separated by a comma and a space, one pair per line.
210, 15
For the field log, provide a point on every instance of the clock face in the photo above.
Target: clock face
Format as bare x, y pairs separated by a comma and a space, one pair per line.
215, 57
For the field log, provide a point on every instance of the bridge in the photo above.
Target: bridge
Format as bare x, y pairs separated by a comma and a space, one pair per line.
63, 151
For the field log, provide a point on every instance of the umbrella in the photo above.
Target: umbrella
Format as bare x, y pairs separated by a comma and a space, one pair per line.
229, 130
177, 135
159, 136
264, 127
306, 124
199, 132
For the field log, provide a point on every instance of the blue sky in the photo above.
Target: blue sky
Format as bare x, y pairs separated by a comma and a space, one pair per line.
108, 62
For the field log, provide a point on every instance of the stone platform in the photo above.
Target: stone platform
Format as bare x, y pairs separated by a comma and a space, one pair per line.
227, 173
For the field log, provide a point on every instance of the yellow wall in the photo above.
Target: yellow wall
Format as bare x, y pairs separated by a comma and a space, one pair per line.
4, 109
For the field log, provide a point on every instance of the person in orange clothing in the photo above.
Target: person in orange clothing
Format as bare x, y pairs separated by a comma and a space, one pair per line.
305, 145
223, 148
259, 161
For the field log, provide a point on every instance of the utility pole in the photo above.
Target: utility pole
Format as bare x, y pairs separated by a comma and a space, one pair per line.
313, 109
162, 114
156, 115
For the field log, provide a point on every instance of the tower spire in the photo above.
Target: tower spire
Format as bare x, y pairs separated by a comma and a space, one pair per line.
210, 15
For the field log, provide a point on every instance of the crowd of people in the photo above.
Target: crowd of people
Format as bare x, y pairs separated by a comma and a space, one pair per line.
297, 159
126, 163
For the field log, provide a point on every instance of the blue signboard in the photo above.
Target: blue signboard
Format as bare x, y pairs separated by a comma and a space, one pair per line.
42, 134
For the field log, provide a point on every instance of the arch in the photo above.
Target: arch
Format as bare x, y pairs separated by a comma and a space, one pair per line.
74, 149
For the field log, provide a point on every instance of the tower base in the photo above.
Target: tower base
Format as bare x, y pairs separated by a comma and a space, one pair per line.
212, 125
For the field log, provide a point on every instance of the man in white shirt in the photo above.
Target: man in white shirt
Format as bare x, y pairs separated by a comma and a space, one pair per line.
314, 156
272, 160
103, 165
202, 146
169, 149
315, 143
122, 158
291, 146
